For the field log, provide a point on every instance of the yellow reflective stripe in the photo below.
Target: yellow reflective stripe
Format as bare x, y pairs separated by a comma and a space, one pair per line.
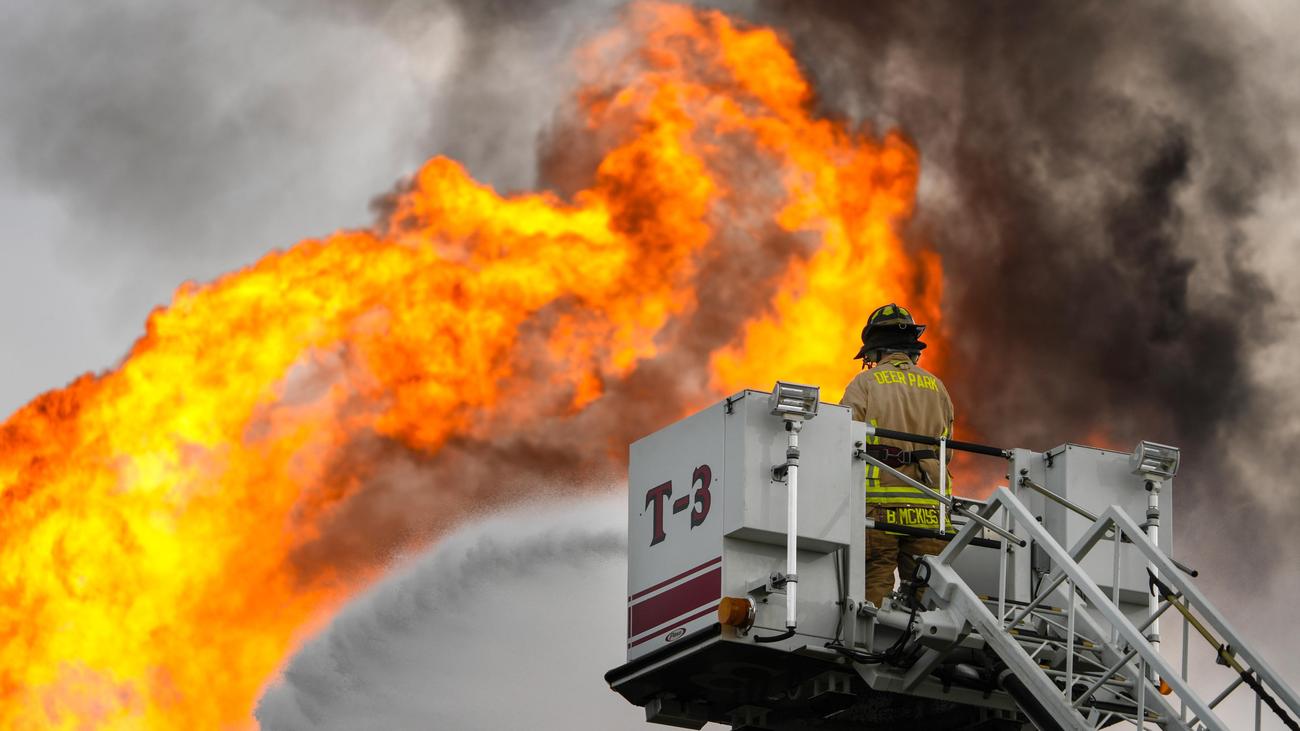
896, 501
896, 494
908, 489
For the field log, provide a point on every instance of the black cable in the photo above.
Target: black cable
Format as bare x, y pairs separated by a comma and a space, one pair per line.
862, 658
1250, 677
1269, 700
776, 638
837, 644
902, 653
843, 597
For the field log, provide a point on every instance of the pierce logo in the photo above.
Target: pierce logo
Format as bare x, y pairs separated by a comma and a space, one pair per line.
699, 499
675, 635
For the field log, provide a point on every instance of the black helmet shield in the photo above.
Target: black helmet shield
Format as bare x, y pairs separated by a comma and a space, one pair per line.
891, 328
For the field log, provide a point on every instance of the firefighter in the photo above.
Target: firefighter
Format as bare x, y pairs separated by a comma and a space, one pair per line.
893, 392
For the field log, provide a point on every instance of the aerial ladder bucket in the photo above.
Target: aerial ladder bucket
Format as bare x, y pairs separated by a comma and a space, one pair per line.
746, 578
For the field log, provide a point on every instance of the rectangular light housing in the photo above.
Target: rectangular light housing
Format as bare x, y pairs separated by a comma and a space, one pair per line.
1153, 460
794, 400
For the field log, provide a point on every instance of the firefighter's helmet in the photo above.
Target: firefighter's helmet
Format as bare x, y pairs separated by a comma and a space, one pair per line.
890, 328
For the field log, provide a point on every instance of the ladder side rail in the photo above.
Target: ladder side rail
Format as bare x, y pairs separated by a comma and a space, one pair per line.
1223, 695
949, 591
1093, 593
952, 593
1093, 538
1090, 538
1114, 657
1169, 575
1110, 654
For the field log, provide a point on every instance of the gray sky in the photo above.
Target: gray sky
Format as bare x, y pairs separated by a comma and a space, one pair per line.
148, 143
145, 142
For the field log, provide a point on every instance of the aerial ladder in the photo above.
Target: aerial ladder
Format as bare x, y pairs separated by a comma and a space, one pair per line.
746, 538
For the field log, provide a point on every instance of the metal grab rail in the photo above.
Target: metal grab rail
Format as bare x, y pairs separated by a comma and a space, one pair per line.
1264, 674
971, 447
1131, 657
1126, 652
1024, 481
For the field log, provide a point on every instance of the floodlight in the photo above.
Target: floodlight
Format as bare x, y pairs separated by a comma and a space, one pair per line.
1154, 461
794, 401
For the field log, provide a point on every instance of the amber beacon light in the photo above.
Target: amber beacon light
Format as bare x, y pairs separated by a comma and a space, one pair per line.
736, 612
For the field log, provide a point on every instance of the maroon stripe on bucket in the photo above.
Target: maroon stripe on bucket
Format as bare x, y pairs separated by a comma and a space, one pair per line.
666, 582
681, 599
664, 630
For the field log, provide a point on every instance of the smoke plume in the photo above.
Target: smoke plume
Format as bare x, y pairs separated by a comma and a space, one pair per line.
1104, 185
1107, 186
1108, 189
1093, 176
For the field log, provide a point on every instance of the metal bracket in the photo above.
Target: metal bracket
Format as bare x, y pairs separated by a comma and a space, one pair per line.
940, 628
778, 581
773, 584
730, 407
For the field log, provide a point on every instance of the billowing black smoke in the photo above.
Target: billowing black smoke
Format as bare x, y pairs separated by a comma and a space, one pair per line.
1087, 174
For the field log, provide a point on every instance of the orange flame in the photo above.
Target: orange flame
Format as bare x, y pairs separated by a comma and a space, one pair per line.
149, 513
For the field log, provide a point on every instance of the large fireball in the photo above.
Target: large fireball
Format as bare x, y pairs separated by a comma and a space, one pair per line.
149, 514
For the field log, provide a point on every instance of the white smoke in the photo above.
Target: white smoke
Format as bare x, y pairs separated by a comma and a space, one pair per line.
509, 623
